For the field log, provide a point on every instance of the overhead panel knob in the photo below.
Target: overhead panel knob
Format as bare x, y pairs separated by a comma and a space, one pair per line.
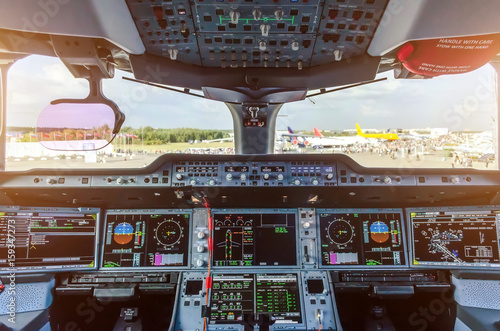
172, 52
296, 182
315, 181
234, 15
257, 14
279, 14
329, 176
264, 28
266, 176
179, 176
280, 177
295, 45
243, 177
200, 234
200, 249
229, 177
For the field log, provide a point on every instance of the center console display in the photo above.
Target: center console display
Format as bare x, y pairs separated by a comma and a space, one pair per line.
262, 238
370, 237
234, 295
38, 239
455, 236
146, 238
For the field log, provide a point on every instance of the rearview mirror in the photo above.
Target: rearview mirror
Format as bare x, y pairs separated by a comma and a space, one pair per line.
77, 126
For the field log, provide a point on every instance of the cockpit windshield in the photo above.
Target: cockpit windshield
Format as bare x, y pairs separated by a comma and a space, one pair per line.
444, 122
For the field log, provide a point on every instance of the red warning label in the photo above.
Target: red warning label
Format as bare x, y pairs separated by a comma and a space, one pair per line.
448, 56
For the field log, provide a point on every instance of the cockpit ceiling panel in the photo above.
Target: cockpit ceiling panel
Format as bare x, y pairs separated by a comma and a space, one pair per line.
257, 33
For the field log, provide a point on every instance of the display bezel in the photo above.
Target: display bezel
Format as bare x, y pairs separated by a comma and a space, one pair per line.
65, 210
439, 265
362, 211
260, 211
144, 212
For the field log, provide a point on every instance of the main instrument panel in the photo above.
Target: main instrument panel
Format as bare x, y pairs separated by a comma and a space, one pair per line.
231, 255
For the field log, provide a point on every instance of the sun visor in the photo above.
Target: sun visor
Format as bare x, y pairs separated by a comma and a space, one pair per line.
448, 56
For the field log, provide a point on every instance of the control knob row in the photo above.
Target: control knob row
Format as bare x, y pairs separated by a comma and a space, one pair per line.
298, 182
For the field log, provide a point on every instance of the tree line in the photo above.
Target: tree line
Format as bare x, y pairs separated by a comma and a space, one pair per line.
147, 135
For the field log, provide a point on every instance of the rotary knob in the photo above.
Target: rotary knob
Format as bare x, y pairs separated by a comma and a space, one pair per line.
179, 176
329, 176
229, 177
120, 181
200, 262
211, 182
192, 182
280, 177
306, 225
387, 180
200, 249
200, 234
266, 176
296, 182
315, 182
455, 180
51, 181
243, 177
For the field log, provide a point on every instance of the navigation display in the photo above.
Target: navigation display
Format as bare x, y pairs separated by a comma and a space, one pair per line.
233, 296
455, 236
254, 239
370, 237
37, 239
148, 238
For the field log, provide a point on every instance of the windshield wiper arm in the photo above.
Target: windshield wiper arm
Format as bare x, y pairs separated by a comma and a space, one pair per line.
185, 91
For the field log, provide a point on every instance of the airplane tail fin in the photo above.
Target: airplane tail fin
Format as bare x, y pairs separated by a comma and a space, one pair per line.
359, 130
290, 130
317, 133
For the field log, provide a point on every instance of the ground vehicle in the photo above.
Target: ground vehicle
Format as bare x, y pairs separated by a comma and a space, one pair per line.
331, 275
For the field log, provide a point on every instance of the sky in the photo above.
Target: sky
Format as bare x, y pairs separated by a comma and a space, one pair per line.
458, 102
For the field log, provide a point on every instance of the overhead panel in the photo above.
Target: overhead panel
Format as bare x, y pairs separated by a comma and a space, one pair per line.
257, 33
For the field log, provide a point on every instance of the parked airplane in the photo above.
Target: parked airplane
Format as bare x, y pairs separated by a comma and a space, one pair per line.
386, 136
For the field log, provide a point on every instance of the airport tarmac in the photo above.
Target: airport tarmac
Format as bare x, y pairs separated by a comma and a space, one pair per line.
365, 159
